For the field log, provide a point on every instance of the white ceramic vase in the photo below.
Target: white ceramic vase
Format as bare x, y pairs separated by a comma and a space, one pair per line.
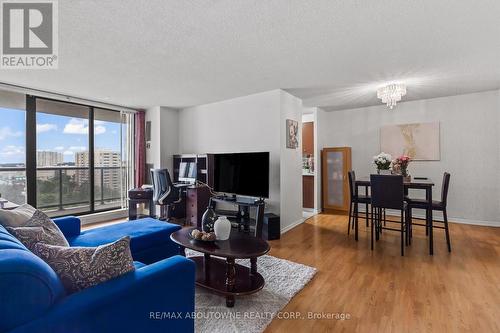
384, 172
222, 228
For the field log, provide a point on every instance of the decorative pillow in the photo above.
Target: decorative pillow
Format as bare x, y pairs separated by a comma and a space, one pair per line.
31, 226
17, 217
83, 267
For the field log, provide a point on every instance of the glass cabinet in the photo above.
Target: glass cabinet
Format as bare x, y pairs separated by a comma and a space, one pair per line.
336, 162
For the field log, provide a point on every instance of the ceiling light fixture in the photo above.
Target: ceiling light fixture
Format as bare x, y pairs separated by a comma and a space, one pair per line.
391, 94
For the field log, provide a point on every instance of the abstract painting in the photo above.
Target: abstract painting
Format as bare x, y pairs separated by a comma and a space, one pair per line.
292, 134
419, 141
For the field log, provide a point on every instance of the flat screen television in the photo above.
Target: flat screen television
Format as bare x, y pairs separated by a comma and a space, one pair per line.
245, 174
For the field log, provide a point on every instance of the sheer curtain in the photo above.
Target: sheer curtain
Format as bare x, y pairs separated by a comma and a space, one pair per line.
140, 148
127, 134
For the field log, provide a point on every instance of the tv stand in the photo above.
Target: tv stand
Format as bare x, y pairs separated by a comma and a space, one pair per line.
242, 215
225, 197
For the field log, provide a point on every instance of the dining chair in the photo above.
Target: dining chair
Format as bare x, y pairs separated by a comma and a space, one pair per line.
436, 205
356, 199
387, 192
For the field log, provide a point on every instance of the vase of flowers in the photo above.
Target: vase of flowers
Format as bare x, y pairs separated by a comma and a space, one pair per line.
400, 165
383, 163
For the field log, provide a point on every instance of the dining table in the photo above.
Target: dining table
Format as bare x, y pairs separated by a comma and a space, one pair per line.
421, 183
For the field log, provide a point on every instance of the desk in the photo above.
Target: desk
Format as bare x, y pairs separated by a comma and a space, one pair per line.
423, 184
140, 196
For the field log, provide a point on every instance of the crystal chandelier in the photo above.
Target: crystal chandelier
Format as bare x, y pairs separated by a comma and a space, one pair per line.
391, 94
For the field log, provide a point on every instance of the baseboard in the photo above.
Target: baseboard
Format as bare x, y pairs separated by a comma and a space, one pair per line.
451, 219
104, 216
291, 226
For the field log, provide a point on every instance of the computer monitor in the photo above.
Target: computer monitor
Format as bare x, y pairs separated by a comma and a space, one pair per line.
187, 172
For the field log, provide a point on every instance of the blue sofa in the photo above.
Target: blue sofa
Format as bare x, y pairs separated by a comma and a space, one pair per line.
32, 297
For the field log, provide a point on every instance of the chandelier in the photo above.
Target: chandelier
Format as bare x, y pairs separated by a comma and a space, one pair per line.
391, 94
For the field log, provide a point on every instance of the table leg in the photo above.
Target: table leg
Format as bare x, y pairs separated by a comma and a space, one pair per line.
230, 281
429, 223
152, 209
132, 210
367, 222
253, 266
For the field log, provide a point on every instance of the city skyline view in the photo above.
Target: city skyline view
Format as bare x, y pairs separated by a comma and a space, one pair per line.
56, 133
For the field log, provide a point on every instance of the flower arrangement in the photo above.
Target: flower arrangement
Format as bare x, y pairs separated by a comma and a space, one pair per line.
400, 164
382, 161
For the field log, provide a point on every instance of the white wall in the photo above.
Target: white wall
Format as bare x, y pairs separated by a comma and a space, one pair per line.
169, 125
470, 147
290, 164
164, 136
252, 123
244, 124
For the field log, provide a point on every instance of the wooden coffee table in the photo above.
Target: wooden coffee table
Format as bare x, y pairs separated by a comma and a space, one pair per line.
224, 276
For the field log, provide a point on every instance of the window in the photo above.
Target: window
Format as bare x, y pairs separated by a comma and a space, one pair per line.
109, 159
64, 158
13, 147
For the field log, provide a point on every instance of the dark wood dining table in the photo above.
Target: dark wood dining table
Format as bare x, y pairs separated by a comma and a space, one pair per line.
425, 184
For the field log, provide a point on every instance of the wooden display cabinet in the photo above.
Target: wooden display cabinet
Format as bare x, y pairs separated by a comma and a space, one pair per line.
336, 163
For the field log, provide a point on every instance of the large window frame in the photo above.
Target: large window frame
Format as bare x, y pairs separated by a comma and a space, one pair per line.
31, 155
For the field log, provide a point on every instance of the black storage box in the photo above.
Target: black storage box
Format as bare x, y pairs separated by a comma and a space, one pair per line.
272, 227
140, 193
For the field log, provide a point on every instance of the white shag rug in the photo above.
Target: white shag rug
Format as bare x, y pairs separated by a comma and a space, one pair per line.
252, 313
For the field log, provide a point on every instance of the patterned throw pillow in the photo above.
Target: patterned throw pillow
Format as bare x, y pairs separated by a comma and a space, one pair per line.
33, 229
83, 267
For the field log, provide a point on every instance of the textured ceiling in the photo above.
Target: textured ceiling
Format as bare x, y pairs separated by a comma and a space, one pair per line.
332, 54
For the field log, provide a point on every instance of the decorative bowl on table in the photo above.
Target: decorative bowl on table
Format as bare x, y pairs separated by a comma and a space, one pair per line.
202, 236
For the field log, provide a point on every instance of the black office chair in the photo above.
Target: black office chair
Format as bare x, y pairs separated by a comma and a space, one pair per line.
436, 205
165, 194
356, 199
387, 192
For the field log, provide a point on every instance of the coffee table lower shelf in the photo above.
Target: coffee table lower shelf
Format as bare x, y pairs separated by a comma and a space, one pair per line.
227, 278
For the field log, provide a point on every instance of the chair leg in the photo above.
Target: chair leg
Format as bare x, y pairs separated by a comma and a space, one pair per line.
385, 219
371, 233
366, 207
426, 225
447, 231
402, 234
356, 213
410, 223
349, 222
162, 213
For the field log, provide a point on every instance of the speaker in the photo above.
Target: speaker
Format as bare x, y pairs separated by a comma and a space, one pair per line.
271, 228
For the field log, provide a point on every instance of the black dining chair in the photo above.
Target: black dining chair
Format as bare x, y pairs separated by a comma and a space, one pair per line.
356, 199
387, 192
436, 205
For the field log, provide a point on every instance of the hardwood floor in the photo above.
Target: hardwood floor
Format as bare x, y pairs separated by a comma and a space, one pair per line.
384, 292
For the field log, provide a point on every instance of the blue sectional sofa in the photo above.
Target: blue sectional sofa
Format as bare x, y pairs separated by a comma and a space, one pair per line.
32, 298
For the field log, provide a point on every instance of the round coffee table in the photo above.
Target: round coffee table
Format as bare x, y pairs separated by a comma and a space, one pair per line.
225, 277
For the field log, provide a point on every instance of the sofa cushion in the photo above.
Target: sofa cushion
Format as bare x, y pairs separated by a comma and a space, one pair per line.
138, 264
83, 267
31, 226
145, 234
28, 286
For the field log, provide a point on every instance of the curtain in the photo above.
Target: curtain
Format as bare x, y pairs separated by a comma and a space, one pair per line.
127, 130
140, 149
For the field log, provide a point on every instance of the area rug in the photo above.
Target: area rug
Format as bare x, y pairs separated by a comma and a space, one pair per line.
252, 313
